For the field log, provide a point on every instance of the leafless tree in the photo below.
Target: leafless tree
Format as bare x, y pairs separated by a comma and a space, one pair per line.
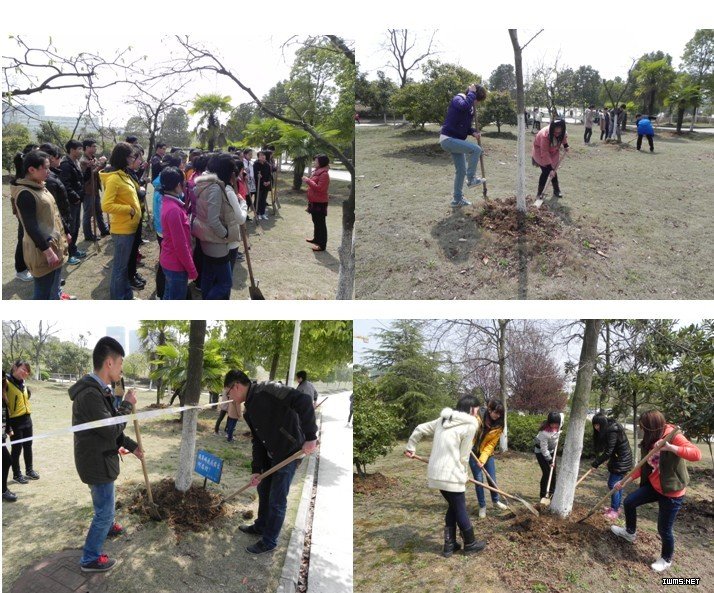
401, 45
154, 106
12, 333
39, 339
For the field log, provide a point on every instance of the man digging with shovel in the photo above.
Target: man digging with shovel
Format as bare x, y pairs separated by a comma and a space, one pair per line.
282, 422
96, 451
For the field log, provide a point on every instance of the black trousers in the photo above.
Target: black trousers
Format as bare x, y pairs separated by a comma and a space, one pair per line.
545, 470
545, 172
319, 221
22, 431
6, 463
650, 139
160, 276
131, 268
221, 416
456, 513
20, 265
588, 134
262, 198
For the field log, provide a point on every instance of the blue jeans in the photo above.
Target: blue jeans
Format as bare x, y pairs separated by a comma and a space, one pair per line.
47, 287
176, 285
273, 503
87, 217
103, 501
668, 509
456, 513
230, 427
490, 467
119, 287
459, 150
616, 497
216, 279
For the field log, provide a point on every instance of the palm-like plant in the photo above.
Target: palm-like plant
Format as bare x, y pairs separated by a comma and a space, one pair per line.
209, 129
653, 80
685, 94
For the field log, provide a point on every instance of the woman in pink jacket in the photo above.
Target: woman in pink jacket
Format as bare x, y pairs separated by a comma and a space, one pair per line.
546, 155
175, 259
317, 187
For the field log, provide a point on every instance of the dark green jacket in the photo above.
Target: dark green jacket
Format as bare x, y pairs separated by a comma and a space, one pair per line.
96, 451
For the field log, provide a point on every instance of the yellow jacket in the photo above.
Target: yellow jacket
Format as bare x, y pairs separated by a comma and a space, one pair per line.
18, 402
488, 443
120, 196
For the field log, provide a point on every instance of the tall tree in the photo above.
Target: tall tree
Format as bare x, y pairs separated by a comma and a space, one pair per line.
698, 62
684, 94
153, 108
153, 334
503, 79
239, 119
174, 129
653, 79
402, 45
209, 129
194, 380
562, 502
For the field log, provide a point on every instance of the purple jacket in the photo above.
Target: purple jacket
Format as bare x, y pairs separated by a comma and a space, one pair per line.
459, 116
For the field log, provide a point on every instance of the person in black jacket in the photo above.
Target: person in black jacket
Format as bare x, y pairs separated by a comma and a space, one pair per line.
281, 422
611, 445
263, 173
96, 450
71, 176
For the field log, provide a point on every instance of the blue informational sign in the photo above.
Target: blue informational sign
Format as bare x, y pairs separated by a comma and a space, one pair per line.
209, 466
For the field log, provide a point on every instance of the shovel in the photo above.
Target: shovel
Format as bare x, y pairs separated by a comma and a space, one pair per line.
253, 290
265, 474
528, 506
539, 202
525, 503
546, 499
483, 171
585, 475
153, 509
626, 479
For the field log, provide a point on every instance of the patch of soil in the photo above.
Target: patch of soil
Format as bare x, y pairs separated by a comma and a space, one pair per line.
185, 511
156, 406
372, 483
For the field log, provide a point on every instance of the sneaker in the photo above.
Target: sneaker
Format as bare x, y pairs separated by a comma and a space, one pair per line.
80, 254
240, 256
475, 181
259, 548
460, 202
101, 564
67, 297
73, 260
9, 496
660, 565
32, 474
482, 512
557, 194
250, 529
623, 533
500, 505
137, 284
21, 479
612, 515
24, 276
115, 530
139, 277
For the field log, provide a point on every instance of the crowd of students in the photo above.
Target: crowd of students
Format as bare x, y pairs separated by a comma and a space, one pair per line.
200, 202
467, 436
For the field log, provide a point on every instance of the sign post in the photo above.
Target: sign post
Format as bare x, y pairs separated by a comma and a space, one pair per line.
209, 466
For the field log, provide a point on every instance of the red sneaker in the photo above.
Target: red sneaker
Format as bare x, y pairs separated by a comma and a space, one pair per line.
67, 297
115, 530
101, 564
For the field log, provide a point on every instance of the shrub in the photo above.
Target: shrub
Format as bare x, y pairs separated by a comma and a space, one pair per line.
523, 429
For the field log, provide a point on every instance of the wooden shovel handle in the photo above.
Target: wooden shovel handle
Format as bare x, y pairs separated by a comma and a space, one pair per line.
585, 475
143, 461
244, 236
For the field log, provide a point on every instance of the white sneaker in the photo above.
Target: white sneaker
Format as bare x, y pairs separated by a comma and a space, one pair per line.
622, 532
660, 565
24, 276
500, 505
482, 512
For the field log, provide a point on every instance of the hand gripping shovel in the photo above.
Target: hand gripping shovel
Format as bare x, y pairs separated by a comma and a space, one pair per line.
253, 290
528, 506
525, 503
546, 499
153, 509
626, 479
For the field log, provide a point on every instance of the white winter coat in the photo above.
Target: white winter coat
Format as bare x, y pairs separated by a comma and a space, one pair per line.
453, 433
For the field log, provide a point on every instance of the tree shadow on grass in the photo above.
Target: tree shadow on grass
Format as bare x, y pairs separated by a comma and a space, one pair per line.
457, 235
423, 154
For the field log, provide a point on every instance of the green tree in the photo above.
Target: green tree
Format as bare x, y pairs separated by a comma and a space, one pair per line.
52, 133
14, 138
159, 333
653, 79
376, 425
241, 116
498, 108
586, 86
684, 94
381, 91
136, 366
209, 130
698, 61
503, 79
135, 127
174, 129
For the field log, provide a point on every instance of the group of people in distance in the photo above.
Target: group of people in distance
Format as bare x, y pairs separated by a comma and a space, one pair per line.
467, 435
459, 124
281, 421
199, 203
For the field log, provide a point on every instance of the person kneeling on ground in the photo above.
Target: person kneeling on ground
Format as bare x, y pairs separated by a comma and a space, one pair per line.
663, 479
453, 433
281, 422
96, 451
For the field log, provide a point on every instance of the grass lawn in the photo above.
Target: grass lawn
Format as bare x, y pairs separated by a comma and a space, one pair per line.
283, 262
631, 225
54, 513
398, 536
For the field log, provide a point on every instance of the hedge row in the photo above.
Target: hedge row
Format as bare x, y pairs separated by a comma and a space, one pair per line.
523, 429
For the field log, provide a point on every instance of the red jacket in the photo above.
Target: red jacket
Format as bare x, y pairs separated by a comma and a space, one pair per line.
543, 153
318, 185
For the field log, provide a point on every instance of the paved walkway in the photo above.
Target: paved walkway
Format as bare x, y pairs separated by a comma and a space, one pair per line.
331, 549
59, 573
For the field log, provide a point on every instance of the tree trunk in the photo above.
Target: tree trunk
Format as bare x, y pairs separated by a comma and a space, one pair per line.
520, 108
562, 503
294, 354
605, 393
192, 394
299, 164
680, 119
502, 323
346, 251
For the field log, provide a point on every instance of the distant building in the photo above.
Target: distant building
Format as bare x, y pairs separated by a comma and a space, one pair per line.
31, 116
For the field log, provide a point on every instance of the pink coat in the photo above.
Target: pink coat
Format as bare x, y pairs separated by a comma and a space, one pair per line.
543, 153
176, 253
318, 185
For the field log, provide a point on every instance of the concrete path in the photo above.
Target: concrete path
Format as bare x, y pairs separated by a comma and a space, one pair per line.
331, 549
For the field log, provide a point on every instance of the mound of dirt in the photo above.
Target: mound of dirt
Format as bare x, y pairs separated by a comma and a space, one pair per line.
372, 483
185, 511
